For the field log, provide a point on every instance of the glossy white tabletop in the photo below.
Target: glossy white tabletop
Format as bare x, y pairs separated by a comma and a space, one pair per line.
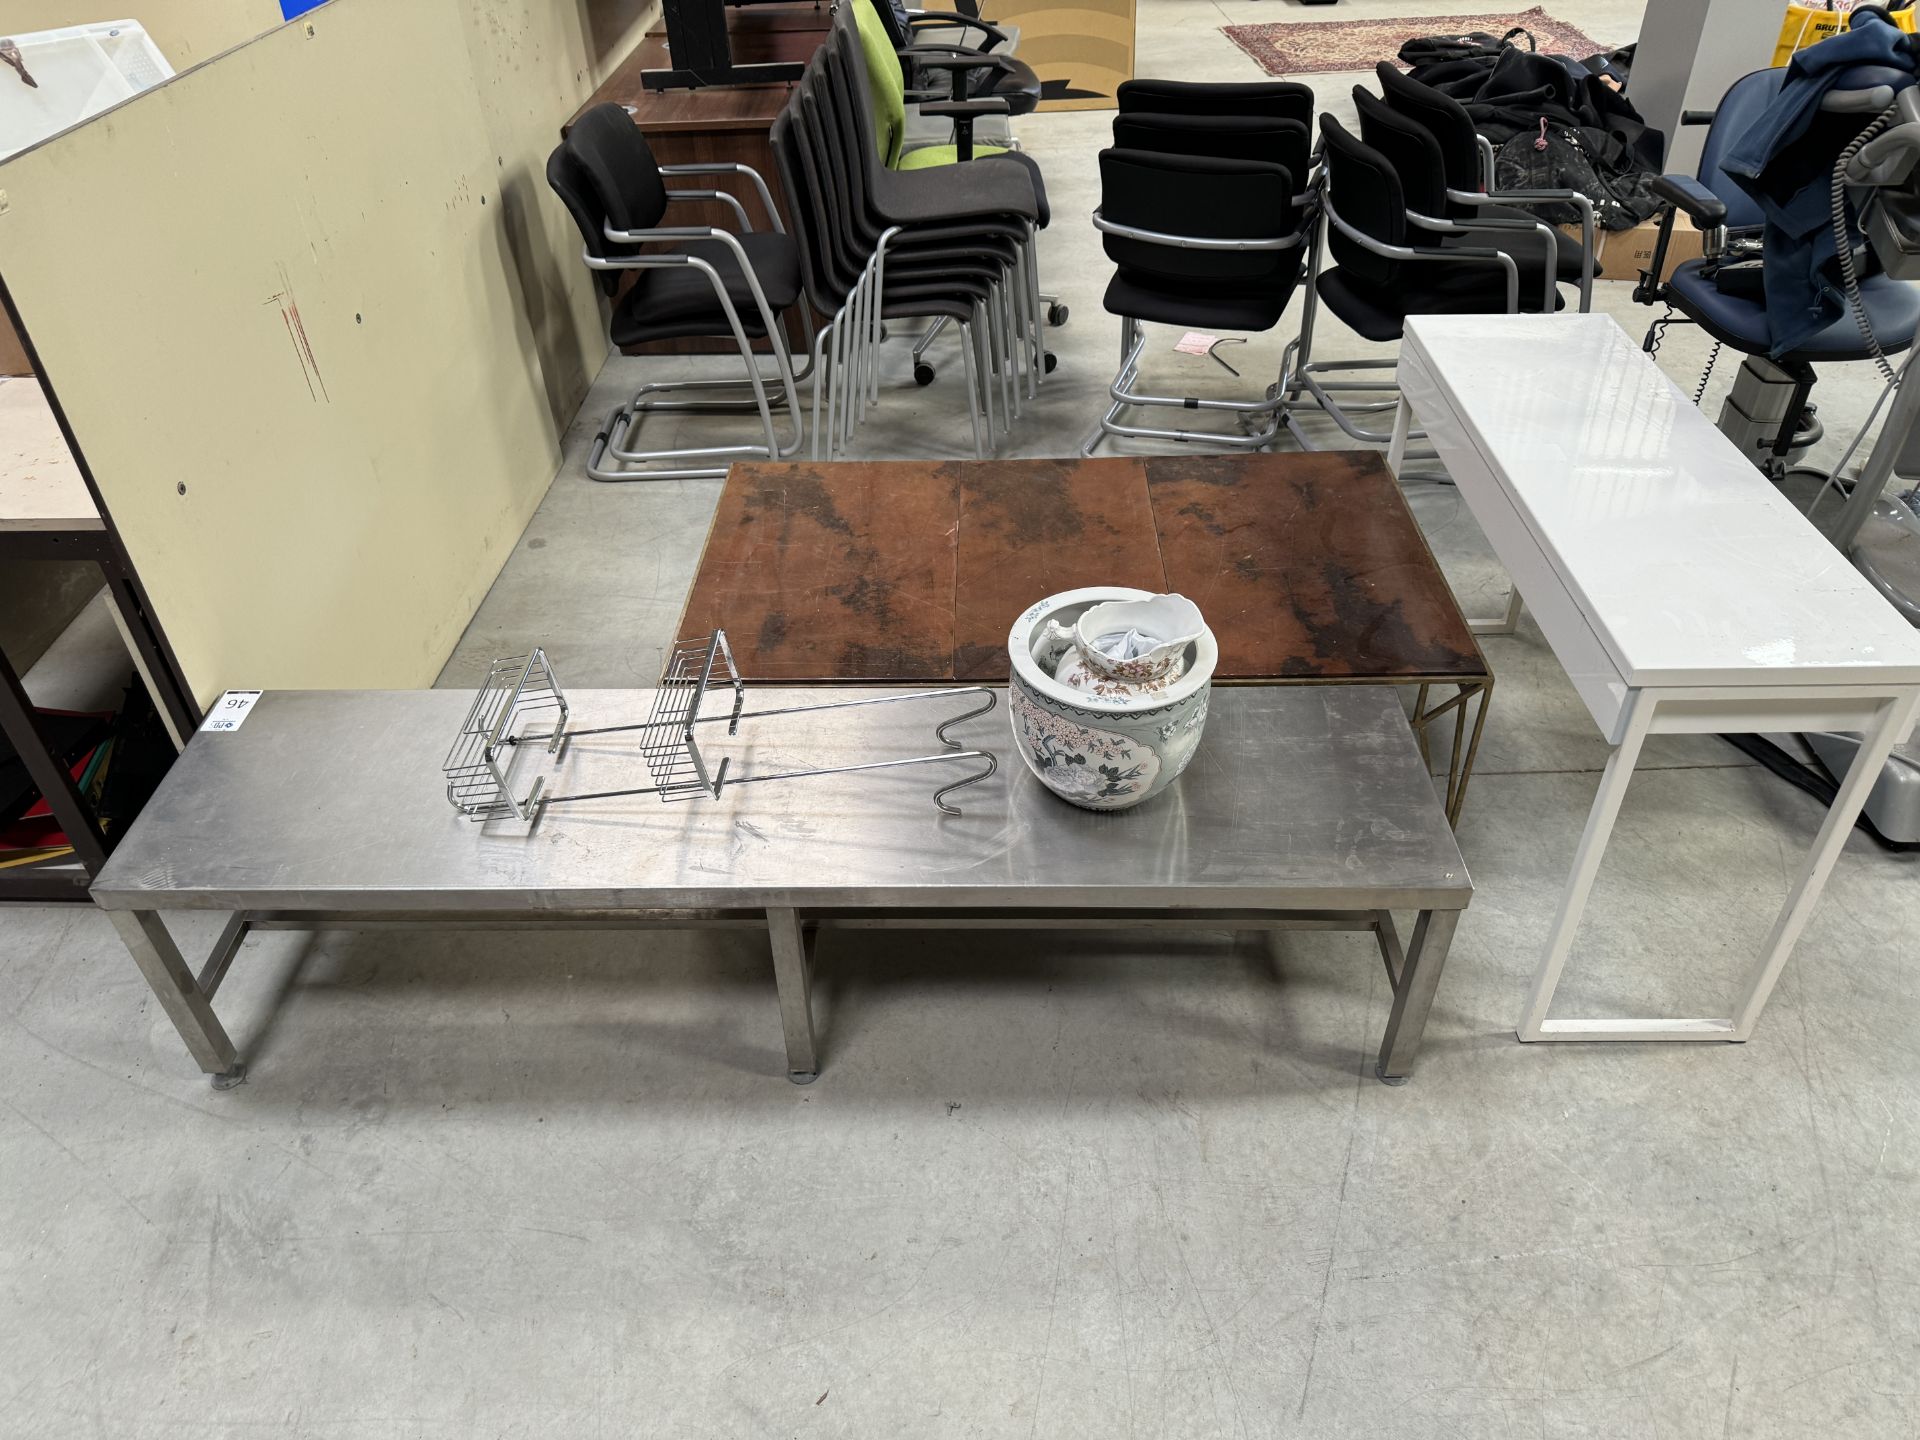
1690, 567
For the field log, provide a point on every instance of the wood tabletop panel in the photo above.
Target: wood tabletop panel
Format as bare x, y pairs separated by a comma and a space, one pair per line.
1308, 567
842, 571
1037, 528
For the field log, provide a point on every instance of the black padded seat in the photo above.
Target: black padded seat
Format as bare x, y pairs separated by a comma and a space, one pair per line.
668, 303
1225, 311
1044, 212
1380, 312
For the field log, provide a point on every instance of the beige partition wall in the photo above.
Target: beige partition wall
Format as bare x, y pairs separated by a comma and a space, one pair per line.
279, 301
187, 31
535, 62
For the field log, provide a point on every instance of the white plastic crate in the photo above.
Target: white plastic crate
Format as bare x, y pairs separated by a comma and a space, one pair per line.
77, 72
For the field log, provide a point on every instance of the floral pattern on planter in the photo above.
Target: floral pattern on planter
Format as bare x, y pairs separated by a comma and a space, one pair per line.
1095, 768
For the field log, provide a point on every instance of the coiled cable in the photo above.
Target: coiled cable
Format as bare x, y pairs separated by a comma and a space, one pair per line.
1843, 238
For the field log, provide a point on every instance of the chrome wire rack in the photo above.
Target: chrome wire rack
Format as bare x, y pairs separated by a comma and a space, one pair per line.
477, 767
480, 764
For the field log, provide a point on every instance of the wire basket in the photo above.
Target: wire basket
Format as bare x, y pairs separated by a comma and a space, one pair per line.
477, 767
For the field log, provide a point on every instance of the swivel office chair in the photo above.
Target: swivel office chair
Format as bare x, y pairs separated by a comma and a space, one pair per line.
1738, 321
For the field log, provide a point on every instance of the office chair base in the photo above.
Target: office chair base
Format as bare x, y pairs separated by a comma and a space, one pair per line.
622, 425
1271, 410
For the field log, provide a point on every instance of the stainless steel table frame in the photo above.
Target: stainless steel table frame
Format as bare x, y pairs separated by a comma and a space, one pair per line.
1305, 808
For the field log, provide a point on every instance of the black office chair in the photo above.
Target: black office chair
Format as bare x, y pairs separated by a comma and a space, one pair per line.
1200, 241
1392, 260
1739, 320
687, 281
1467, 165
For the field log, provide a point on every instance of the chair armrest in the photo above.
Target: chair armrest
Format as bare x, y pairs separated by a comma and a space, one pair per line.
1291, 241
963, 113
723, 196
944, 19
1526, 199
733, 167
1550, 272
1706, 209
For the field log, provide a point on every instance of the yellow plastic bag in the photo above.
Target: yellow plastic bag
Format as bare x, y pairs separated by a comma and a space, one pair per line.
1806, 25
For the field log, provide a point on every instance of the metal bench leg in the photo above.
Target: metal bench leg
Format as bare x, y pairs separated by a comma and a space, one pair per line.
1417, 979
793, 975
180, 995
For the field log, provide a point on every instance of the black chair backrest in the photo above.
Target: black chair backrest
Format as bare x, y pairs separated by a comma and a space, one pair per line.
788, 145
1363, 189
610, 150
1272, 99
1230, 137
1197, 196
1445, 118
1411, 149
575, 189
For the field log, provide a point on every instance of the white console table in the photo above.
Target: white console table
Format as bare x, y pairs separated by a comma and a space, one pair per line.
1679, 589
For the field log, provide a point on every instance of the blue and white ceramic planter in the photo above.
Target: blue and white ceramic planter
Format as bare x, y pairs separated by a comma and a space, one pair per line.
1102, 752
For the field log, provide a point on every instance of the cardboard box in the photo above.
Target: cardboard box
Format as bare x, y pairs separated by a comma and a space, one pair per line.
13, 356
1623, 254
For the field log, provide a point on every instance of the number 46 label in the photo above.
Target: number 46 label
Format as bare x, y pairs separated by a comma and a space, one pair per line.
230, 710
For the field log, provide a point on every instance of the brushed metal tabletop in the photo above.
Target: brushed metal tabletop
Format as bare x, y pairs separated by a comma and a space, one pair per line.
1299, 798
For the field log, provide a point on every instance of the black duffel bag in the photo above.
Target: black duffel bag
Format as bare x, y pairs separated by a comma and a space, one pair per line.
1443, 49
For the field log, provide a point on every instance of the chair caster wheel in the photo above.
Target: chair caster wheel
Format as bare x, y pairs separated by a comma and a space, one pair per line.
922, 373
1057, 314
1052, 362
883, 334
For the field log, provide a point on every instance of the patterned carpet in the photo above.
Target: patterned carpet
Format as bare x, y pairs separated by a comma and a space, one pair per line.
1313, 46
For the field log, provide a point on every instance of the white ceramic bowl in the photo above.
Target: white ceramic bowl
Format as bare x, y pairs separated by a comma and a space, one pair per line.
1098, 751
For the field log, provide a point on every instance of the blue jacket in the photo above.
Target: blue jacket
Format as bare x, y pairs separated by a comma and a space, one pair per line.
1793, 189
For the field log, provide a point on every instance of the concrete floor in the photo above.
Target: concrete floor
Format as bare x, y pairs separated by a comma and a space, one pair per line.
525, 1186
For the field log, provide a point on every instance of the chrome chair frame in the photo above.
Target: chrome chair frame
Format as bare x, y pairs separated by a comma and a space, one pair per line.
1133, 342
624, 421
1300, 382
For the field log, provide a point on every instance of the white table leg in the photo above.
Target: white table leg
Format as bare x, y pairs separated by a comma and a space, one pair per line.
1586, 863
1402, 428
1894, 720
1884, 724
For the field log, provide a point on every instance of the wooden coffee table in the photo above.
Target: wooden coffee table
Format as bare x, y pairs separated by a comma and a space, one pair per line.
1310, 569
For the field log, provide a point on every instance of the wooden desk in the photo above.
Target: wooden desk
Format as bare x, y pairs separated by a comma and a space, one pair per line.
728, 123
1310, 569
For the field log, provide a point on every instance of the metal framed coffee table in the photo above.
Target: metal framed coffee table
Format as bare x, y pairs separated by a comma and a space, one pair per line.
1305, 807
1310, 569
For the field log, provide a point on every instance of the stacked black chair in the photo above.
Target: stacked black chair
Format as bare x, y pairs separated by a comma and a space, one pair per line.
1466, 162
1207, 206
1388, 266
686, 281
878, 244
1444, 172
